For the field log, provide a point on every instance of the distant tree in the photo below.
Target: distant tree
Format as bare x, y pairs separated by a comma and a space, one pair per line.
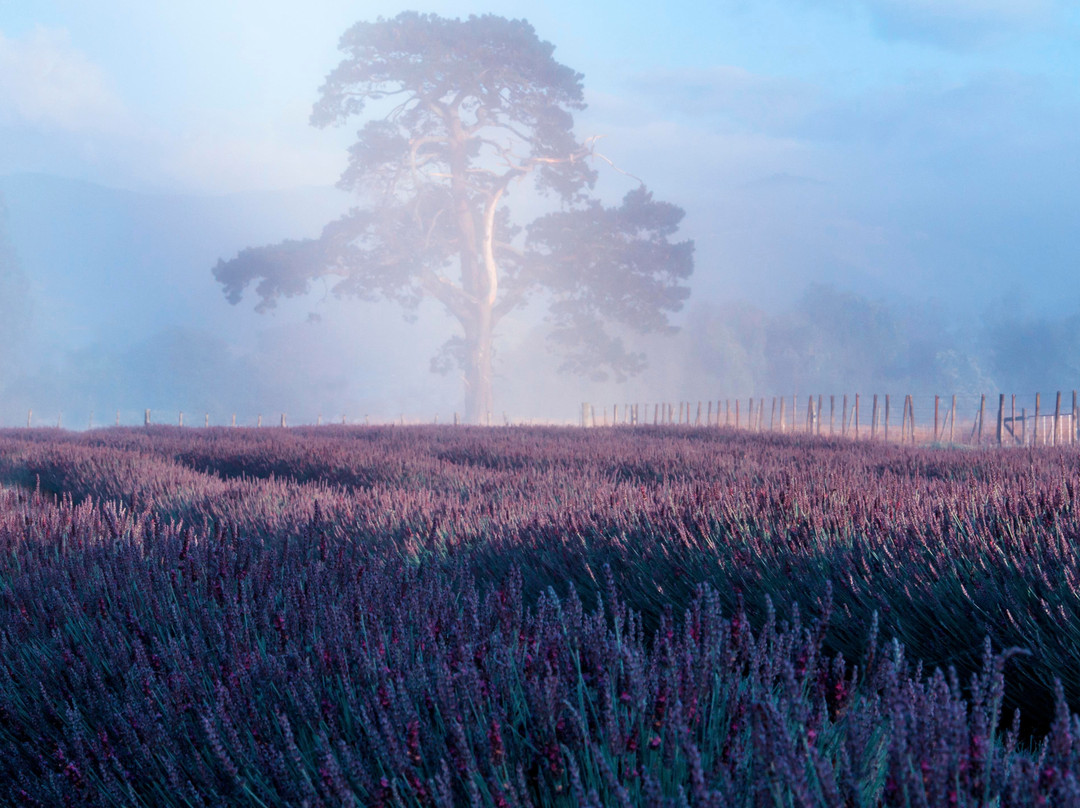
465, 115
1029, 352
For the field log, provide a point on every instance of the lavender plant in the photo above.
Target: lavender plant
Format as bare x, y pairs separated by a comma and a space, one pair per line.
532, 617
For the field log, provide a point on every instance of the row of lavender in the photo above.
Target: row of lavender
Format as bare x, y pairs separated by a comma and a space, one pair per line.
550, 617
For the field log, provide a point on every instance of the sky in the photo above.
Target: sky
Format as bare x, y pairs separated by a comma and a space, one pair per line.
917, 150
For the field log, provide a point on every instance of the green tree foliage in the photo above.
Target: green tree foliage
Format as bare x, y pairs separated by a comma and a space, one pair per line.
462, 117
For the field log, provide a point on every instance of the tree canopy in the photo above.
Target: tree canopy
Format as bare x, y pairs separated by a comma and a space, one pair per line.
461, 119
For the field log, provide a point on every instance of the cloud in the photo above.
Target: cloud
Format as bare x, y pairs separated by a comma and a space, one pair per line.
61, 114
929, 181
46, 83
958, 24
731, 96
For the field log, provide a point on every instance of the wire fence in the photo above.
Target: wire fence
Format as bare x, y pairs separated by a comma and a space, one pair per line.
962, 419
65, 419
1001, 420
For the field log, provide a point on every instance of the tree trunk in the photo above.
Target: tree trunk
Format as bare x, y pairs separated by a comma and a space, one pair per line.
478, 398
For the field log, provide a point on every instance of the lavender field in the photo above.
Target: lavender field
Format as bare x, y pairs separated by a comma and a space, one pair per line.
420, 616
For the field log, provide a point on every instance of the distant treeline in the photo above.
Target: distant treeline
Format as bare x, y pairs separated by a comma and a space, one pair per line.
834, 340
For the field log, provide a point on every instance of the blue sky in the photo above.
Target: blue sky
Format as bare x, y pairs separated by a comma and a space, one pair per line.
913, 147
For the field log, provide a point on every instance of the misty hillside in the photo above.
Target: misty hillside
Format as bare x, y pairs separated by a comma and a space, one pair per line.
122, 310
120, 264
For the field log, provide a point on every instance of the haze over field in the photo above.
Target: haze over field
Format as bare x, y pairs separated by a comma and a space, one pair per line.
882, 193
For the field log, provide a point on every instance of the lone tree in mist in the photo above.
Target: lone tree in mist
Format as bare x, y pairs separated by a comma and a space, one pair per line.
462, 117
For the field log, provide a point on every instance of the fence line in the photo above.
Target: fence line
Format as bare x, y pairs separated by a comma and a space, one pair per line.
938, 420
182, 418
923, 419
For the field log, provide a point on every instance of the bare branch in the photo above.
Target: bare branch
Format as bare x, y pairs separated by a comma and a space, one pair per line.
590, 143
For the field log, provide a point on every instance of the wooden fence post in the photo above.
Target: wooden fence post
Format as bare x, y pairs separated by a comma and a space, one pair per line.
737, 418
873, 419
1057, 418
783, 423
181, 417
29, 418
832, 411
952, 416
856, 416
207, 421
937, 400
886, 417
259, 421
118, 417
772, 415
234, 419
282, 420
1001, 419
820, 398
1038, 406
810, 415
1076, 427
318, 421
977, 427
146, 418
911, 416
697, 420
843, 418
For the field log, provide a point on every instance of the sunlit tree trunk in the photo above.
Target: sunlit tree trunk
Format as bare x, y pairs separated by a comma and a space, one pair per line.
479, 275
478, 397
